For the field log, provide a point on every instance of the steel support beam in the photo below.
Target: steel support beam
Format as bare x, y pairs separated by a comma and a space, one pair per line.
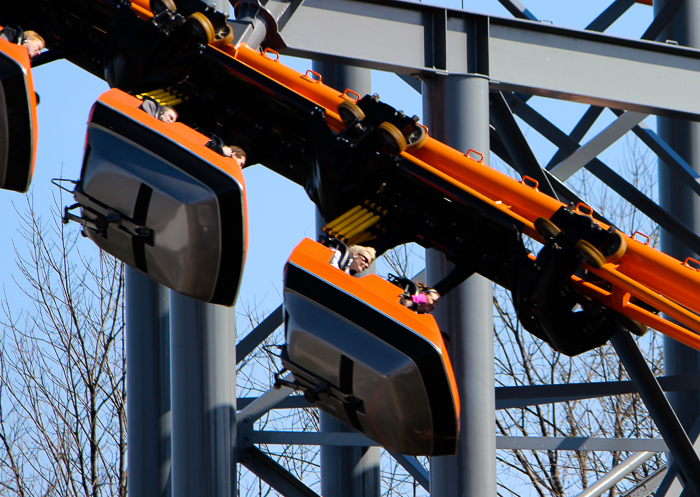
414, 468
617, 474
203, 398
521, 56
659, 215
347, 471
266, 402
671, 484
669, 157
582, 127
524, 160
659, 408
597, 145
518, 397
518, 10
274, 475
466, 313
681, 202
610, 15
148, 385
662, 17
581, 444
257, 336
337, 439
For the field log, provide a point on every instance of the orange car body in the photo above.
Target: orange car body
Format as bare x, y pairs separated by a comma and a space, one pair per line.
366, 359
18, 137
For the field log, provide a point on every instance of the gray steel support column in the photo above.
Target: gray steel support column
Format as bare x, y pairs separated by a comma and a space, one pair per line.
203, 348
680, 201
346, 471
456, 110
148, 386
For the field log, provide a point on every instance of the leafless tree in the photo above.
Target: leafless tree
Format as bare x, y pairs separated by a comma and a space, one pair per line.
62, 367
62, 378
523, 360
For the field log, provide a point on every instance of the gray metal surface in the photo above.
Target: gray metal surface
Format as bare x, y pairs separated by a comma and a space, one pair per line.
182, 255
203, 398
617, 474
465, 314
681, 202
663, 14
659, 408
681, 169
148, 384
274, 475
414, 468
659, 215
347, 471
403, 408
596, 145
610, 15
518, 55
257, 336
340, 438
672, 484
648, 486
517, 397
522, 158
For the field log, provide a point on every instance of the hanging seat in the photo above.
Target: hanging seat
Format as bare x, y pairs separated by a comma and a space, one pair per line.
155, 197
360, 356
18, 122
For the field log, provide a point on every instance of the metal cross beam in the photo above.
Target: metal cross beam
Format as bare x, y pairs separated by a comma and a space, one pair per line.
627, 191
521, 56
659, 408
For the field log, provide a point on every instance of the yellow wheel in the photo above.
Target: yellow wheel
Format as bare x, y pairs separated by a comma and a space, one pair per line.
160, 6
350, 112
202, 27
546, 228
617, 249
392, 137
589, 254
416, 139
224, 36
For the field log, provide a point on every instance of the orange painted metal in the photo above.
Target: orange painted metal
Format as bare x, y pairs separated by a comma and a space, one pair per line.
268, 64
383, 296
142, 7
185, 136
20, 55
653, 273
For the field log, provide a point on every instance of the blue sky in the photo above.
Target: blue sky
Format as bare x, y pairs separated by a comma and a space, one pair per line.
280, 213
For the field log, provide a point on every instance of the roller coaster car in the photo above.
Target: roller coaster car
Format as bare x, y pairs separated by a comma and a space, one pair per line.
18, 123
155, 197
455, 221
366, 360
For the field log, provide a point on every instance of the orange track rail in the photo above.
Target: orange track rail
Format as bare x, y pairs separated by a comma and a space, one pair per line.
656, 278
